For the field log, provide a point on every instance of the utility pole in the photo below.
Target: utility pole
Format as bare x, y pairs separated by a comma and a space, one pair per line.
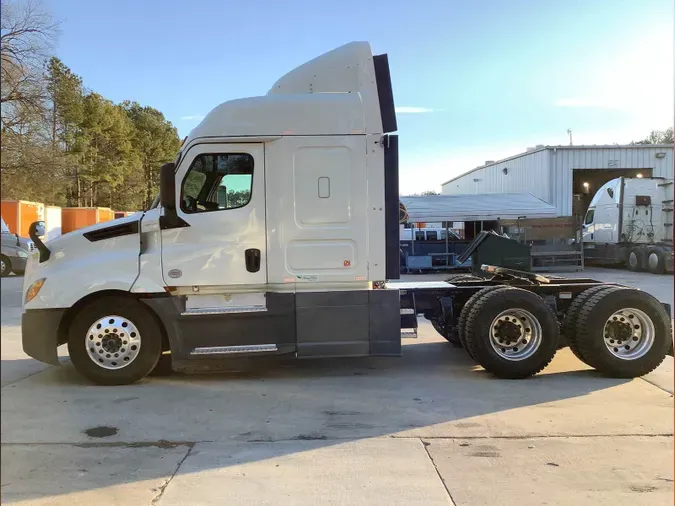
569, 131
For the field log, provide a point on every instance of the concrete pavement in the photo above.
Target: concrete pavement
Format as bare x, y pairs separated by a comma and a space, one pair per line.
428, 428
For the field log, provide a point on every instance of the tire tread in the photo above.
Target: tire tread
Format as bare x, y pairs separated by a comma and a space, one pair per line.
472, 338
602, 362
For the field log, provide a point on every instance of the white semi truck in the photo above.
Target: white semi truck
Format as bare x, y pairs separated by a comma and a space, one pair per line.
276, 232
630, 222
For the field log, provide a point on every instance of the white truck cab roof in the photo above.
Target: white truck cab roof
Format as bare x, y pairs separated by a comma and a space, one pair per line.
333, 94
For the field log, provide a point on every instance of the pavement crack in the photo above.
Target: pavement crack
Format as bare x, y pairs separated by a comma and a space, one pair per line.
425, 445
166, 483
26, 377
163, 443
654, 384
556, 436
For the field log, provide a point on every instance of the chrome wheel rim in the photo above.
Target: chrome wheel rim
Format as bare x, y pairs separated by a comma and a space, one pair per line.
113, 342
629, 334
515, 334
653, 261
3, 266
632, 260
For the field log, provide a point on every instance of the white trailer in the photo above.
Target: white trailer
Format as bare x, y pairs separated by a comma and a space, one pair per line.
630, 222
276, 232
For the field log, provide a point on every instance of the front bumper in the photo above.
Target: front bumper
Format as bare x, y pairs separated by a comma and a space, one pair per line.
39, 333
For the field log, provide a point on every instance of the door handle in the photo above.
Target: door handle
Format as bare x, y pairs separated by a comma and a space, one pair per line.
252, 258
591, 236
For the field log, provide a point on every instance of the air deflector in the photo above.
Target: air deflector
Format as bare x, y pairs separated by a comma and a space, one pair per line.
385, 93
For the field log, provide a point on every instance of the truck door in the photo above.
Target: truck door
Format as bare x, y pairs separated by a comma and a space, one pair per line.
589, 226
220, 192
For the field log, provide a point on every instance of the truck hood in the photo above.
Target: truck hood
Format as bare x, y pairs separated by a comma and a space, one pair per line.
76, 235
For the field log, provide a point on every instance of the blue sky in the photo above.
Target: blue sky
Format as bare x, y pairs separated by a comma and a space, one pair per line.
474, 80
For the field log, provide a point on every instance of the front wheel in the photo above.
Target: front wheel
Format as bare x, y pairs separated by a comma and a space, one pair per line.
114, 341
5, 266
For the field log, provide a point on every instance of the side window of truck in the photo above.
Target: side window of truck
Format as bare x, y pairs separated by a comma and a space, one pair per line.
215, 182
589, 217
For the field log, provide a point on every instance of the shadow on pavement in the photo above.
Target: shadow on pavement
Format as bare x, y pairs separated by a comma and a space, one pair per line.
432, 391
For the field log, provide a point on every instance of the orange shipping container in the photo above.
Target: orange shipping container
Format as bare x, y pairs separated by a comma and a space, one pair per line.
73, 218
19, 214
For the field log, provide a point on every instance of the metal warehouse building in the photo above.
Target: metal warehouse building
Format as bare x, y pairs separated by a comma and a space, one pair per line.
563, 175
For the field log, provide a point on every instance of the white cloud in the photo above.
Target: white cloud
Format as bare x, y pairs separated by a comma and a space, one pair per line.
196, 117
413, 110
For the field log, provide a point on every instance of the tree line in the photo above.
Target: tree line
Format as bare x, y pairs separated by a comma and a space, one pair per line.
62, 143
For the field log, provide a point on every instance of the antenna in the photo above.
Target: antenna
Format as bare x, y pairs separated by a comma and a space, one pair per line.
569, 131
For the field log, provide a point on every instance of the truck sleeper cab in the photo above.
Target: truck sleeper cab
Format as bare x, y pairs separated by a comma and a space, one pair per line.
276, 229
629, 222
270, 232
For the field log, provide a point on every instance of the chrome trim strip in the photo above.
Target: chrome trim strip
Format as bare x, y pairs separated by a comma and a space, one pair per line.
223, 310
247, 348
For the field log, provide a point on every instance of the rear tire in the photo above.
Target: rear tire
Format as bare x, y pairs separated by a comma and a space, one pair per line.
623, 333
446, 331
569, 326
656, 260
84, 341
636, 259
5, 266
466, 310
463, 277
513, 333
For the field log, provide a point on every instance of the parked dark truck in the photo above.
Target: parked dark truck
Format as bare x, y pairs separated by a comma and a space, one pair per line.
277, 233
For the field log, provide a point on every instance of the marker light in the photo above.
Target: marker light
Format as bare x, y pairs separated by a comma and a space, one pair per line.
34, 289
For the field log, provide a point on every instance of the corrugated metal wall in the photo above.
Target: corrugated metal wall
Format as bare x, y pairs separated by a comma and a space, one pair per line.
528, 173
547, 173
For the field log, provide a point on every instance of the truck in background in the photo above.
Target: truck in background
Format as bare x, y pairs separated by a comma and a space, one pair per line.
630, 222
276, 233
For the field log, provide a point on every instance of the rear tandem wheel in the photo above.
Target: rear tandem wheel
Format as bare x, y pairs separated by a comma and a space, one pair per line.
512, 333
623, 333
569, 325
466, 310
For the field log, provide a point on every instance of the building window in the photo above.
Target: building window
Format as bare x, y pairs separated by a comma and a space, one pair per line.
216, 182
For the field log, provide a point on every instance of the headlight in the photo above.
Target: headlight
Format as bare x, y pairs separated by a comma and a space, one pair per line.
22, 254
34, 289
